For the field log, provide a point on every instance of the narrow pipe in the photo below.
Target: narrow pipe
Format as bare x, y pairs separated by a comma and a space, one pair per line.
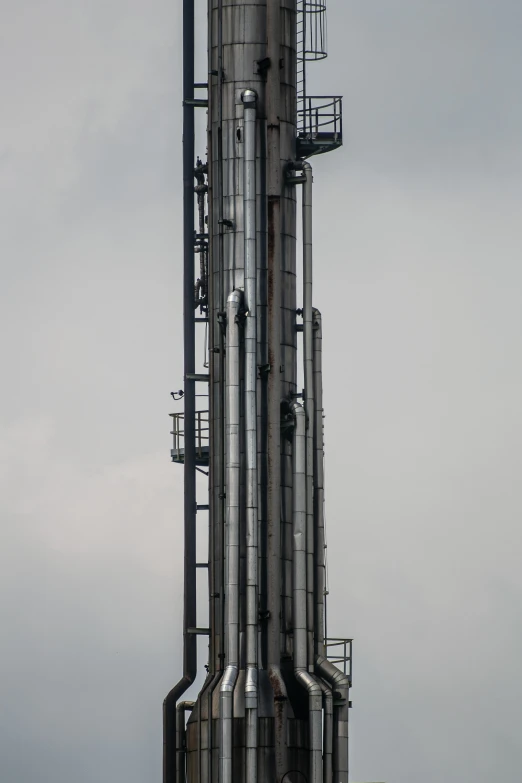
226, 696
328, 728
189, 604
302, 674
181, 744
340, 684
320, 580
210, 725
309, 405
249, 99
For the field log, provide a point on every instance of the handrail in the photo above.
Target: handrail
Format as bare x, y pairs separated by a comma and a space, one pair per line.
202, 432
344, 658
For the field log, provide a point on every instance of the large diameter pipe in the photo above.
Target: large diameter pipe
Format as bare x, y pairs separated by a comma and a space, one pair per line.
273, 437
249, 98
340, 685
302, 674
226, 696
319, 550
189, 602
309, 403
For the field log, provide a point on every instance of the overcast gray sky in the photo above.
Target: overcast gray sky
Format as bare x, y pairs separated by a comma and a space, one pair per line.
417, 245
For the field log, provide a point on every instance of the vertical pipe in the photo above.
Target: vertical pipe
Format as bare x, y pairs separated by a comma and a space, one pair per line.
249, 99
273, 548
302, 674
181, 743
220, 622
189, 603
210, 733
309, 404
232, 538
328, 728
320, 581
216, 407
340, 685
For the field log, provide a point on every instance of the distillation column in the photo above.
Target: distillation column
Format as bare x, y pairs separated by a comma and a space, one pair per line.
272, 707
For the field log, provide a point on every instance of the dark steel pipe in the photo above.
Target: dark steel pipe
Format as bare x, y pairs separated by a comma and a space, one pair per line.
182, 707
189, 605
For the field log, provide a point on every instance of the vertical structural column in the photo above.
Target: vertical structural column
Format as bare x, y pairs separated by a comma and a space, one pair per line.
189, 347
189, 605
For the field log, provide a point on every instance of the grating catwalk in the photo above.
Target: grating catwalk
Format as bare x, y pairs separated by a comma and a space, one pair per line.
274, 705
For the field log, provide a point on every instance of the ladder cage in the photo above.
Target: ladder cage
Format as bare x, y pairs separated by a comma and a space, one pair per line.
311, 30
315, 38
311, 41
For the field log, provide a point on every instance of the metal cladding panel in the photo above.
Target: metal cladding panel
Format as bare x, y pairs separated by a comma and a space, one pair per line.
297, 742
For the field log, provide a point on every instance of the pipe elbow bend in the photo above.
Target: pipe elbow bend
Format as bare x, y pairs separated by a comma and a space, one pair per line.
251, 681
332, 673
234, 298
229, 681
307, 681
249, 96
185, 706
298, 409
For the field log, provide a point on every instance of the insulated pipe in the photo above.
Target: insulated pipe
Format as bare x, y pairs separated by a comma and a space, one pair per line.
273, 92
302, 674
328, 728
273, 98
190, 650
181, 749
249, 99
210, 725
340, 685
319, 550
309, 403
226, 696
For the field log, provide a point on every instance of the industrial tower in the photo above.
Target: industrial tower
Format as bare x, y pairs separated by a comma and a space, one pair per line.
274, 705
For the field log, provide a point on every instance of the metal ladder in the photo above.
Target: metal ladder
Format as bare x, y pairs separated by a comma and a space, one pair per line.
301, 55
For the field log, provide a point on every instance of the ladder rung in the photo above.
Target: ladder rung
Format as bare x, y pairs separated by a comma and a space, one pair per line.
199, 631
202, 507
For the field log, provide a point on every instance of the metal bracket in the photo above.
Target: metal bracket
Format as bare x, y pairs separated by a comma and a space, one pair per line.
198, 103
226, 222
263, 369
262, 66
